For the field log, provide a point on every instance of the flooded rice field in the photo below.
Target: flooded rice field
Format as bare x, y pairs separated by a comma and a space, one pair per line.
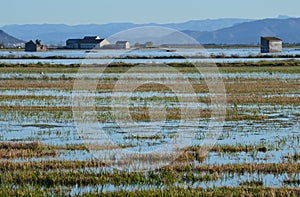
135, 61
156, 52
43, 151
155, 55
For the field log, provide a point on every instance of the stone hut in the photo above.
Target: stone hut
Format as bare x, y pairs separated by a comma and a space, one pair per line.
270, 45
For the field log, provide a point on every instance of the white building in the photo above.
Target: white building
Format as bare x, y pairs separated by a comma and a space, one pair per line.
122, 45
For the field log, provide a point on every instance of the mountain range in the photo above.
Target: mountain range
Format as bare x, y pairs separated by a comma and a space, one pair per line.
250, 32
8, 40
59, 33
217, 31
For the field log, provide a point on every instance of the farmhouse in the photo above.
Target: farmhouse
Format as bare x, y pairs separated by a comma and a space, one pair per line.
34, 47
122, 45
270, 45
145, 45
88, 42
118, 45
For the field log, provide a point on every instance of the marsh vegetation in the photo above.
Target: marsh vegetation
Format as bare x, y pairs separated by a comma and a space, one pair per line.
257, 152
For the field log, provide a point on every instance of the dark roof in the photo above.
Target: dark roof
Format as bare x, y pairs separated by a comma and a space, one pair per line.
121, 42
271, 38
86, 39
96, 41
73, 39
91, 38
30, 42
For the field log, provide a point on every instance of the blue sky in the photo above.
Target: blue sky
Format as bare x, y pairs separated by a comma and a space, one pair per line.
139, 11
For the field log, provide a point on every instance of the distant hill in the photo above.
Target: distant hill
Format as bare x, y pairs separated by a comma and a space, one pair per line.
217, 31
206, 25
59, 33
9, 40
249, 32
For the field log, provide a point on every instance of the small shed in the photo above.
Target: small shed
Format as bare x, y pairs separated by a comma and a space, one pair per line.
270, 45
122, 45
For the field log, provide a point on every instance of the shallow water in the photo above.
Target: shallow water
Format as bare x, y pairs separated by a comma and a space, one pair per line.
278, 131
137, 61
152, 52
171, 77
227, 180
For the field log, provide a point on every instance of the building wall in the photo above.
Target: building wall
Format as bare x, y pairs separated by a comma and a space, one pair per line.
41, 48
104, 43
270, 46
122, 45
72, 43
93, 44
125, 45
275, 46
30, 46
264, 45
74, 46
89, 45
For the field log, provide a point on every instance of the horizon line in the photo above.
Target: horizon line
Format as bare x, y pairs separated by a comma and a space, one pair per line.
158, 23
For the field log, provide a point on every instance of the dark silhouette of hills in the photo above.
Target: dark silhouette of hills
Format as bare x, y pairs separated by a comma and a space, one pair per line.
59, 33
249, 32
8, 40
217, 31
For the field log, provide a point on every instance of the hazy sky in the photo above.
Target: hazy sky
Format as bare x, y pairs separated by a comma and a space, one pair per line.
139, 11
